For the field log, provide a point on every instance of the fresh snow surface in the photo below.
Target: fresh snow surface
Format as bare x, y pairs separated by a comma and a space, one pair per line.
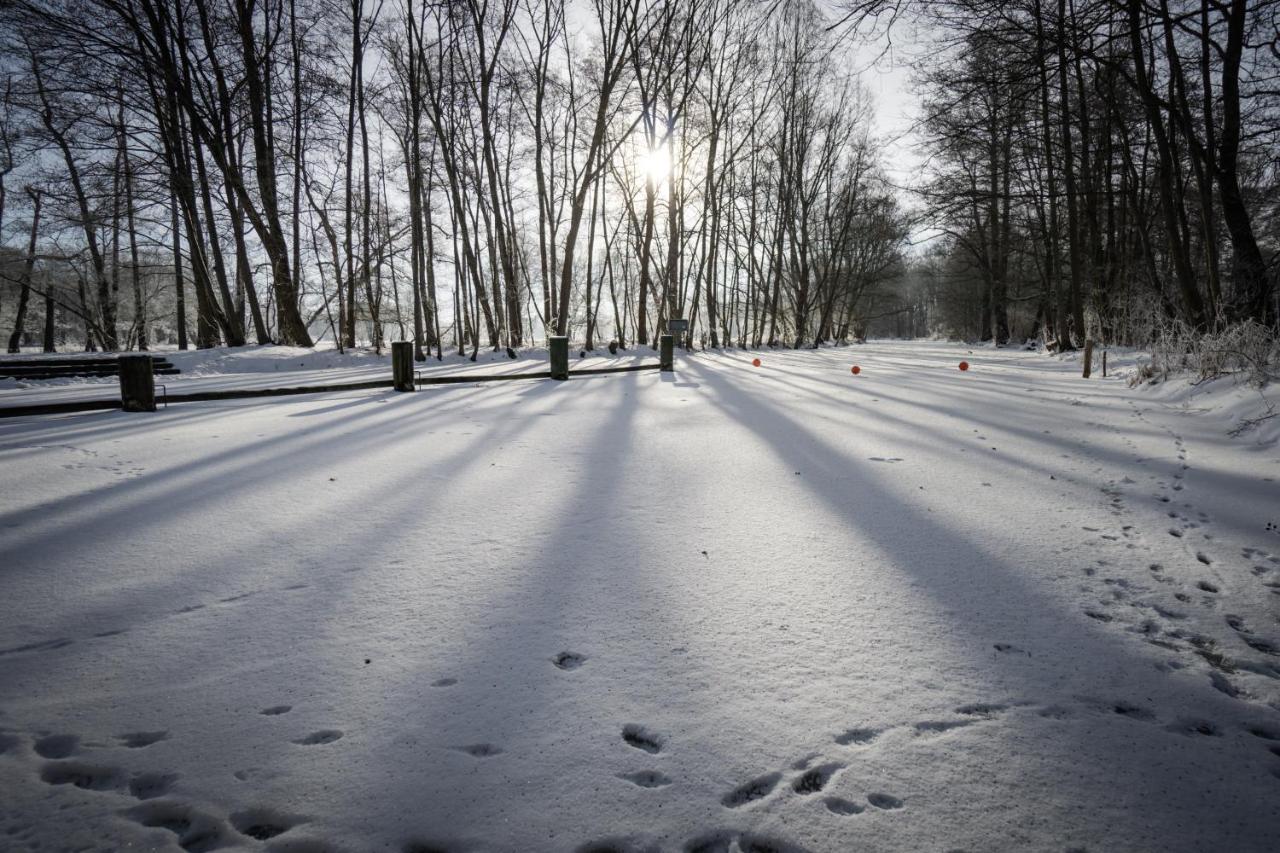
779, 608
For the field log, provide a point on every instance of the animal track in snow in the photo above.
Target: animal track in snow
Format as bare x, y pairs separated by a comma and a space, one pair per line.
480, 750
263, 823
858, 736
57, 746
757, 789
890, 459
641, 738
1010, 649
148, 786
197, 832
322, 736
91, 777
982, 709
276, 710
138, 740
936, 727
841, 806
885, 801
646, 778
815, 779
569, 660
446, 682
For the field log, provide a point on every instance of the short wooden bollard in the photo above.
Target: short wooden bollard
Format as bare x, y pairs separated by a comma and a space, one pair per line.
402, 365
137, 384
666, 353
559, 357
1088, 358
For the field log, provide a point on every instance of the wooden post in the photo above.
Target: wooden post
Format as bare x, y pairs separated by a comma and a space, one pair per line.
666, 353
402, 365
1104, 364
1088, 358
137, 384
559, 357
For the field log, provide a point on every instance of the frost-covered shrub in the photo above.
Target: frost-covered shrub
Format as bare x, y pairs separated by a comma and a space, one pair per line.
1247, 349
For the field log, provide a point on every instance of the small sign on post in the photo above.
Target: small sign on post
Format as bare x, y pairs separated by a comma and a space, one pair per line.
677, 326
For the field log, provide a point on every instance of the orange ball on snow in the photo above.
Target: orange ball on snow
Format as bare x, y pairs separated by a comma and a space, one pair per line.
964, 365
855, 370
755, 362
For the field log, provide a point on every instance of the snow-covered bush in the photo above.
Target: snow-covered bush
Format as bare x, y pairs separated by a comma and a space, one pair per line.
1247, 349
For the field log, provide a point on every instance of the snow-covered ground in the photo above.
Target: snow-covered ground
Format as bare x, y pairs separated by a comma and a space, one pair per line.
779, 608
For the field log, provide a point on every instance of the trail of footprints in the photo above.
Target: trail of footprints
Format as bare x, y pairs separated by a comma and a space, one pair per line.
1146, 610
811, 778
69, 761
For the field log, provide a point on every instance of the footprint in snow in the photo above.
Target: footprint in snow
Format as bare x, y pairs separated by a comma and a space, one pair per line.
276, 710
841, 806
937, 727
857, 736
91, 777
641, 738
757, 789
148, 786
646, 779
1010, 649
320, 737
138, 740
890, 459
480, 750
263, 824
885, 801
197, 832
815, 779
57, 746
444, 682
569, 660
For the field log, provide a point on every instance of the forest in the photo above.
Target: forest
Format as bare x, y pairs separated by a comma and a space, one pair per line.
485, 173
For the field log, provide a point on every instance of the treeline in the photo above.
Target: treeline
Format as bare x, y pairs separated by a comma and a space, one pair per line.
1101, 168
463, 174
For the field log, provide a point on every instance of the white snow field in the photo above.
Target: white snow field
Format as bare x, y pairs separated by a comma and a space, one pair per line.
781, 609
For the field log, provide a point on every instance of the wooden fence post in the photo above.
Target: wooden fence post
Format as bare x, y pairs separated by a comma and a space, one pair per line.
137, 384
559, 351
402, 365
666, 353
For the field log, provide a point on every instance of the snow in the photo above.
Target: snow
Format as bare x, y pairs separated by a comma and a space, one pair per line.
777, 608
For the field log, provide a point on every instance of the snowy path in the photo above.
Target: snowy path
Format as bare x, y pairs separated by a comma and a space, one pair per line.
779, 608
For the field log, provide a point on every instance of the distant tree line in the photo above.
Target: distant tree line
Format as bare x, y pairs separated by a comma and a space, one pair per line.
1099, 168
465, 174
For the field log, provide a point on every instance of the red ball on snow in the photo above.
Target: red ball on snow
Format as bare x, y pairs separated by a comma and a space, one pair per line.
855, 370
755, 362
964, 365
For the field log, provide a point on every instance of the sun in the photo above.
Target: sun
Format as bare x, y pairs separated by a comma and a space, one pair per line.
655, 163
